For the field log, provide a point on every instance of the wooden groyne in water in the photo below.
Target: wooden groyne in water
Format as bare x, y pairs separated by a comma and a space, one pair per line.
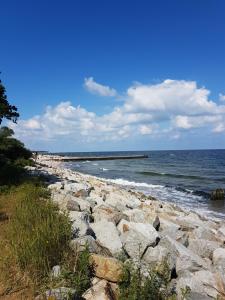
81, 158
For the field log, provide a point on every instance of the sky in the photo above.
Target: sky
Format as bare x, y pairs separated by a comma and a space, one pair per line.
106, 75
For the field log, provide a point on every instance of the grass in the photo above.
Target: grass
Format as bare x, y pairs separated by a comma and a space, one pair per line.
35, 236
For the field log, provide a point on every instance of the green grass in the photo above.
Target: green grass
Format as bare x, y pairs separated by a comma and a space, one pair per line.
39, 234
35, 237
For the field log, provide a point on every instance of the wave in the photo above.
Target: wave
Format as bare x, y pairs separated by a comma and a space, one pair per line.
104, 169
150, 173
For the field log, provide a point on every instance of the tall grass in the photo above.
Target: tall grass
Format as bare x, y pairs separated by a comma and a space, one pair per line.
39, 234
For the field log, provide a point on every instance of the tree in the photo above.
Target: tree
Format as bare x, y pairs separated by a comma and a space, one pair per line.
7, 111
11, 149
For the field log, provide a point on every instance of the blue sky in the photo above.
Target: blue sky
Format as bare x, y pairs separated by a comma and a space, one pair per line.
149, 67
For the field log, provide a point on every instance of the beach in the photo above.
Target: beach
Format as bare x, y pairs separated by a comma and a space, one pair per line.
117, 221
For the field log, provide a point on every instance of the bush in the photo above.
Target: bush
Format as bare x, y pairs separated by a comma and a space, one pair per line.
39, 233
135, 286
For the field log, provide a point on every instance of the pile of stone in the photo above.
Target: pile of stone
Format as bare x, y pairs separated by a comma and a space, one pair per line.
114, 221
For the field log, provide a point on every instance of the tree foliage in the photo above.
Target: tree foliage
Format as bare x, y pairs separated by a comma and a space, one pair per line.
7, 110
11, 149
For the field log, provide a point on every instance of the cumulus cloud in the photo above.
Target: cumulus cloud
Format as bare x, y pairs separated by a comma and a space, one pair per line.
222, 97
99, 89
165, 109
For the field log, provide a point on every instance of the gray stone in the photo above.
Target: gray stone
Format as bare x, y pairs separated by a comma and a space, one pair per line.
205, 233
203, 248
56, 271
108, 236
107, 213
136, 237
101, 290
156, 223
219, 259
202, 285
60, 293
80, 244
158, 256
73, 205
186, 260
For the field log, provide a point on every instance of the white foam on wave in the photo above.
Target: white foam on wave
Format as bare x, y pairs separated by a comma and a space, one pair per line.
104, 169
184, 199
124, 182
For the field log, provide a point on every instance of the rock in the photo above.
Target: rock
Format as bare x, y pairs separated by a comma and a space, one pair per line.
55, 186
221, 234
135, 215
219, 259
107, 213
76, 215
108, 236
79, 228
75, 187
156, 223
79, 244
203, 248
218, 194
56, 271
205, 233
107, 267
201, 285
73, 205
186, 260
158, 256
189, 222
60, 293
81, 193
136, 237
122, 201
102, 290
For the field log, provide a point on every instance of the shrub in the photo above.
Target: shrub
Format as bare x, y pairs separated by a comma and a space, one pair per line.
153, 286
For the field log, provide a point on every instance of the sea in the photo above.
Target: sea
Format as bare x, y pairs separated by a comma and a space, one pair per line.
185, 177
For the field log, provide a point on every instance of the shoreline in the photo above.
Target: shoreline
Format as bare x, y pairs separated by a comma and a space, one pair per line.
124, 221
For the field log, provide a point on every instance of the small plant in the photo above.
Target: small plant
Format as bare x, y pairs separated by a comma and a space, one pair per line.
77, 271
151, 286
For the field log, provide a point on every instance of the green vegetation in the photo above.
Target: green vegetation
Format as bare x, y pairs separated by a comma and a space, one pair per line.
6, 110
36, 237
151, 286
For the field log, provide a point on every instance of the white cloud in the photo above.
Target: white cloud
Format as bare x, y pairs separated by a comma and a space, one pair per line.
145, 129
222, 97
162, 110
171, 97
98, 89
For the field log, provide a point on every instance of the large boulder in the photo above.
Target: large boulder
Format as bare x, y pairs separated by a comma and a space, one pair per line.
158, 257
219, 259
136, 237
203, 248
81, 243
135, 215
189, 222
186, 260
107, 268
108, 213
201, 285
102, 290
108, 236
203, 232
